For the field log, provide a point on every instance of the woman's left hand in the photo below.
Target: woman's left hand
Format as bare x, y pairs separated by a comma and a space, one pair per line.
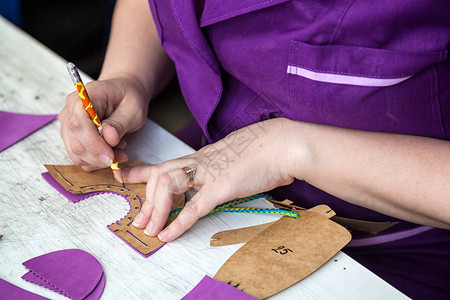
251, 160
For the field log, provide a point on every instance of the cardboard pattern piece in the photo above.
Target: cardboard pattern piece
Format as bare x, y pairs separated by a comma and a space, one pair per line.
283, 254
209, 288
74, 180
73, 273
17, 126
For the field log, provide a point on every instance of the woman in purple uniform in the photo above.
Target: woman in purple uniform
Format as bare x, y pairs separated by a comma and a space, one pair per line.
343, 102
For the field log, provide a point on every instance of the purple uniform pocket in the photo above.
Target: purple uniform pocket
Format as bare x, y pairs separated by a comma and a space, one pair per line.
365, 88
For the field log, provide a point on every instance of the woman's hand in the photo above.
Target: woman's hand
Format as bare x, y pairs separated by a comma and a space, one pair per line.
248, 161
122, 106
135, 69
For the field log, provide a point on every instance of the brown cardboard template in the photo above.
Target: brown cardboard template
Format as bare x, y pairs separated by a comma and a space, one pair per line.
76, 181
352, 224
283, 254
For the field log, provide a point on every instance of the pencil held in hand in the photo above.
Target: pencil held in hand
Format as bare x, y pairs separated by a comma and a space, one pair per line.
76, 79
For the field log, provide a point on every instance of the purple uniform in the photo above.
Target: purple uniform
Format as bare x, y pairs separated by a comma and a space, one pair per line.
370, 65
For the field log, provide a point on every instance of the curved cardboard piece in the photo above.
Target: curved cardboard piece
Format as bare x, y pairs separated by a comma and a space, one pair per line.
75, 180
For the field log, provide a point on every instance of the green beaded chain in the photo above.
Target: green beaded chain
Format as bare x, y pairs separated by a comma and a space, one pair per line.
229, 207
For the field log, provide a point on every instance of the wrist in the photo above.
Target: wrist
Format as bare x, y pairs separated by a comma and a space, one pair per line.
298, 149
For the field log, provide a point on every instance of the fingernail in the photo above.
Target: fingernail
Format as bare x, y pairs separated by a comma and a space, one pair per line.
122, 145
163, 234
137, 221
106, 159
148, 229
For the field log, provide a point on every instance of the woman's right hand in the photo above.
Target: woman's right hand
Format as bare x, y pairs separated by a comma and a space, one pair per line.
122, 106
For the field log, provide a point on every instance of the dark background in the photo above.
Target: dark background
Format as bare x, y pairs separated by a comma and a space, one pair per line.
78, 30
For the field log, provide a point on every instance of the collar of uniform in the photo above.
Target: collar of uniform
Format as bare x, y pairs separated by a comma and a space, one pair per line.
185, 15
218, 10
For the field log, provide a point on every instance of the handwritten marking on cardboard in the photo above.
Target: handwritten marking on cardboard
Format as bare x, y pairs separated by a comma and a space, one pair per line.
297, 247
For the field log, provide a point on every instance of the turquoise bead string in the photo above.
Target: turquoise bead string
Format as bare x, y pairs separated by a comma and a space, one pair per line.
230, 207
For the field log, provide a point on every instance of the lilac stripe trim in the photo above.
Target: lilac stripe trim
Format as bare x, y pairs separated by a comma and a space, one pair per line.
376, 240
344, 79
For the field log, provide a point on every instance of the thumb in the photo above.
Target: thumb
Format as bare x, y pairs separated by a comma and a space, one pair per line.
112, 131
120, 122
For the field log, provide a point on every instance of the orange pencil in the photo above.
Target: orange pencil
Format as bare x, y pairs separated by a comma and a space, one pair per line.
76, 79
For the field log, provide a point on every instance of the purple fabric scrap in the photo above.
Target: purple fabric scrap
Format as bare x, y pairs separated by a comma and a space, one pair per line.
17, 126
72, 272
97, 292
74, 198
10, 291
209, 288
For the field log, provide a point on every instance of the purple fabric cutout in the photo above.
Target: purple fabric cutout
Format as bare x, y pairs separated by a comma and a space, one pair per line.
33, 278
74, 198
10, 291
97, 292
72, 272
209, 288
17, 126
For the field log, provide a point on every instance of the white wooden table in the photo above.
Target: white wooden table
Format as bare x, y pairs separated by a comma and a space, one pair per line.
35, 219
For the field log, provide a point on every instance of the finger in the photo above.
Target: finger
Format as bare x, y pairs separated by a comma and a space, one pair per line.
144, 173
141, 174
125, 119
169, 184
162, 203
143, 217
85, 141
137, 174
122, 144
151, 175
120, 155
77, 160
198, 207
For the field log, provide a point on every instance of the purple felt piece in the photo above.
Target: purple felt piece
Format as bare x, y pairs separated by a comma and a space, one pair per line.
97, 292
94, 295
72, 272
74, 198
17, 126
209, 288
33, 278
10, 291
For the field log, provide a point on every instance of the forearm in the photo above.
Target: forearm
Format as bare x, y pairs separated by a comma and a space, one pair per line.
134, 50
403, 176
